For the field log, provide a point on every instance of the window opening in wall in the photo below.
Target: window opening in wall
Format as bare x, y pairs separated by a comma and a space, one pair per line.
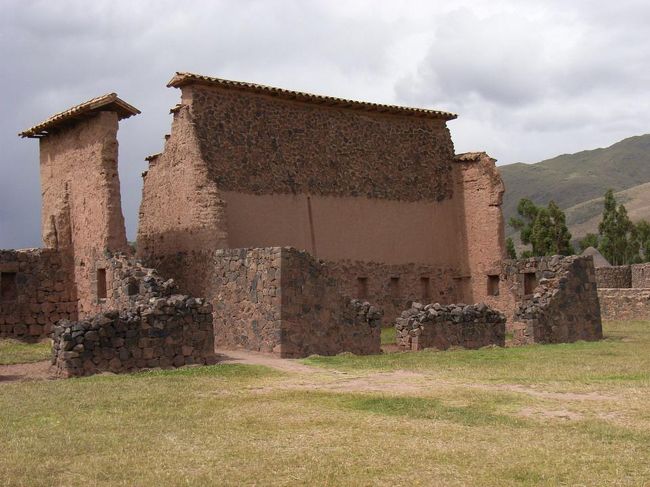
362, 287
493, 285
8, 289
132, 288
530, 282
425, 289
394, 287
101, 283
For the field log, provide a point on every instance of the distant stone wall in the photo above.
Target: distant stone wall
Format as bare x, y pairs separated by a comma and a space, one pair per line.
281, 300
640, 275
455, 325
560, 304
35, 293
614, 277
163, 332
624, 304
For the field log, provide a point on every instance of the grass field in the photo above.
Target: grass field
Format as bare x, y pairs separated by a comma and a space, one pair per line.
573, 414
16, 352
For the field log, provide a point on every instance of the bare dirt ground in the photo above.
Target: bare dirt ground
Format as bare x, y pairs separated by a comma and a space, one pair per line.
23, 372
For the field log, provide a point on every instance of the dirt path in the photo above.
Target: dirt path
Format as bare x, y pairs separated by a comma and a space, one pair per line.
23, 372
266, 359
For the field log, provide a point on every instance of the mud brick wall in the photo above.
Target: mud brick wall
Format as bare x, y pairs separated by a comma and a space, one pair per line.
280, 300
164, 332
255, 143
563, 306
640, 275
614, 277
317, 318
394, 287
455, 325
624, 304
36, 293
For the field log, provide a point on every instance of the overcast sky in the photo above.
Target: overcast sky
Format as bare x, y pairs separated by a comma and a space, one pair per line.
529, 79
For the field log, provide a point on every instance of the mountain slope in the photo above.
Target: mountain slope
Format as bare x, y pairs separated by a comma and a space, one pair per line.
572, 179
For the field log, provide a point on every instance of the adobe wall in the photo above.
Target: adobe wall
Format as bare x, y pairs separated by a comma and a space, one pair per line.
81, 208
479, 191
614, 276
35, 293
455, 325
280, 300
624, 304
561, 304
640, 275
164, 332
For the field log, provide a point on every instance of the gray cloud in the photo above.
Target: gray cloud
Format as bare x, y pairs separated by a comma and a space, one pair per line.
529, 80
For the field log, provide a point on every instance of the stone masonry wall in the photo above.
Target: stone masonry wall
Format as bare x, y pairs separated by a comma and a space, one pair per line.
455, 325
614, 277
255, 143
36, 293
624, 304
163, 332
394, 287
562, 305
640, 275
280, 300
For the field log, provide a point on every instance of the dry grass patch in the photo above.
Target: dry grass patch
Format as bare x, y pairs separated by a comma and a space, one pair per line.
17, 352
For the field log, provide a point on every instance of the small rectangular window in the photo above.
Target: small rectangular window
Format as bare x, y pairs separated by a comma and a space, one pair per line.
530, 282
425, 289
101, 283
493, 286
394, 287
362, 287
8, 289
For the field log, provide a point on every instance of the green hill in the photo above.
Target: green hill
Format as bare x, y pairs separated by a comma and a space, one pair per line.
576, 180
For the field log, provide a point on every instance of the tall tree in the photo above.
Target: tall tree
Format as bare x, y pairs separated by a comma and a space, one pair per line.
643, 234
510, 249
618, 235
544, 229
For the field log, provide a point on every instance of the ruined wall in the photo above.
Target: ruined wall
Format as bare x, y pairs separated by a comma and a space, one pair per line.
556, 299
640, 275
81, 208
614, 276
35, 293
442, 327
479, 191
280, 300
394, 287
624, 304
164, 332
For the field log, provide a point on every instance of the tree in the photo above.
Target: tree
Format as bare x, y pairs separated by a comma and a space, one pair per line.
643, 235
618, 235
510, 248
543, 228
589, 240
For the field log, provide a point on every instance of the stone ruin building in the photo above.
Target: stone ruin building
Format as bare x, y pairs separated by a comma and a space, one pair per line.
274, 221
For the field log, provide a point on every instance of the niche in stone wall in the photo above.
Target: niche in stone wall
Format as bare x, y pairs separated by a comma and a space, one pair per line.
425, 289
394, 288
493, 285
362, 287
8, 288
101, 284
530, 282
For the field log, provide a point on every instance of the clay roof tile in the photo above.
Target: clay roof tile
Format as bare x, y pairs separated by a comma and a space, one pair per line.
107, 102
182, 79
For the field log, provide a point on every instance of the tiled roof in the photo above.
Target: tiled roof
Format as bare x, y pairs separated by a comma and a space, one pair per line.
182, 79
108, 102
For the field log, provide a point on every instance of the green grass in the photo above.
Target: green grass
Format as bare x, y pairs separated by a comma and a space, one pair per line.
388, 336
16, 352
489, 417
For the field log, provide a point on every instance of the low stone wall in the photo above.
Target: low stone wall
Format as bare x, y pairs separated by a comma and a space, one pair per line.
563, 306
614, 277
624, 304
456, 325
281, 300
35, 293
640, 275
165, 332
